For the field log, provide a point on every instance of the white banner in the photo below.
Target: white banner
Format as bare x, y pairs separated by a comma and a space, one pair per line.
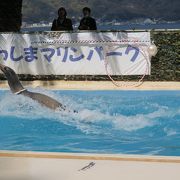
78, 53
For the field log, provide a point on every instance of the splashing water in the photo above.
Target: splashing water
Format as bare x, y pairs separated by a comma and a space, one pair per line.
130, 122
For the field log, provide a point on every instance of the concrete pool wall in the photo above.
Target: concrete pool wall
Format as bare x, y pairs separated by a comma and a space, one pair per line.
48, 166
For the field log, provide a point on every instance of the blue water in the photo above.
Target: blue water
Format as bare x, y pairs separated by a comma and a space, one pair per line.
125, 122
129, 26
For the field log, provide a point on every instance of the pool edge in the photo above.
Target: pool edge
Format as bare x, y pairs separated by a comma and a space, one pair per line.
88, 156
97, 85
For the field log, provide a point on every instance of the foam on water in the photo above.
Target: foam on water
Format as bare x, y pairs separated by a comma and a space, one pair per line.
125, 118
19, 106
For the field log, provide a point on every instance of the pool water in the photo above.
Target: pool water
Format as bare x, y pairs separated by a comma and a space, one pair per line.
117, 122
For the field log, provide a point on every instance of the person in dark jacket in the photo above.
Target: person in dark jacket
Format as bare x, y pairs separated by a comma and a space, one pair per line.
87, 22
62, 23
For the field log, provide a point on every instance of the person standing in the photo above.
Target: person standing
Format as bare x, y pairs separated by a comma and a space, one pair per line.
62, 23
87, 22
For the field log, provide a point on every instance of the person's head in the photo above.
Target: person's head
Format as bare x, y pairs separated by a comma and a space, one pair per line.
62, 12
86, 11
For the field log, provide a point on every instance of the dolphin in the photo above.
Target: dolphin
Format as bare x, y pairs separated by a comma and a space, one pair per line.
17, 88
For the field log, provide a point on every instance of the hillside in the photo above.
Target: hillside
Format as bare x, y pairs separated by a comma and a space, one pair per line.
46, 10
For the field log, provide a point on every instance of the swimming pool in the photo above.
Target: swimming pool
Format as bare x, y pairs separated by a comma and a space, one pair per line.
116, 122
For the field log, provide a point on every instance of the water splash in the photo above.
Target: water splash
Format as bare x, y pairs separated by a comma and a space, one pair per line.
106, 122
97, 119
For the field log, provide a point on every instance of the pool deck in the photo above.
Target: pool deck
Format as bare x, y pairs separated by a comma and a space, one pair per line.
98, 85
69, 166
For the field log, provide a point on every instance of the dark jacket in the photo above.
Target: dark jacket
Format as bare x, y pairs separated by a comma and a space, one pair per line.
87, 23
66, 25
